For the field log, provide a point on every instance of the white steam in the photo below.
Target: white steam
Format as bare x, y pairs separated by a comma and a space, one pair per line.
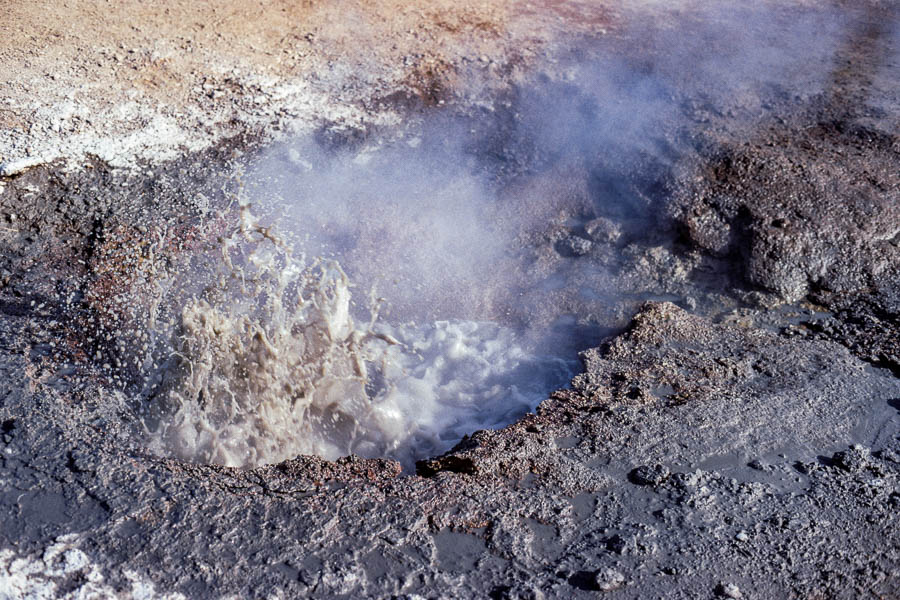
268, 362
277, 349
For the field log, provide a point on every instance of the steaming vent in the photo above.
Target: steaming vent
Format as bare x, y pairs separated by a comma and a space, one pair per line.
358, 305
269, 361
387, 298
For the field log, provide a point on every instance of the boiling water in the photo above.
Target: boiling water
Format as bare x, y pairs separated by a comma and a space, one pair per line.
270, 359
260, 352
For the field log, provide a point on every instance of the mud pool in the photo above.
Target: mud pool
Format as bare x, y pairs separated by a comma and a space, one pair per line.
457, 300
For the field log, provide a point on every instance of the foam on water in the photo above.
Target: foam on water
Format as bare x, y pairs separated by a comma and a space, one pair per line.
268, 361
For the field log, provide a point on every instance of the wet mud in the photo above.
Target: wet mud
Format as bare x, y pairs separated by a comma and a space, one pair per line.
730, 286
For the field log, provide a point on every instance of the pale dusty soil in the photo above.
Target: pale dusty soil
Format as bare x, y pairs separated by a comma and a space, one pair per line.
136, 80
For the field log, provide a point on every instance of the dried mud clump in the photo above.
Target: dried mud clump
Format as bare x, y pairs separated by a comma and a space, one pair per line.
810, 212
812, 209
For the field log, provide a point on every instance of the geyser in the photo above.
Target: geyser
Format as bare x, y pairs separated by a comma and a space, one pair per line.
271, 359
398, 292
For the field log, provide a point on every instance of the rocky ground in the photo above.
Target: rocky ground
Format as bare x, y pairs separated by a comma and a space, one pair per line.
731, 281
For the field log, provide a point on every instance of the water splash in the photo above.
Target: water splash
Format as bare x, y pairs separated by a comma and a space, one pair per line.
272, 359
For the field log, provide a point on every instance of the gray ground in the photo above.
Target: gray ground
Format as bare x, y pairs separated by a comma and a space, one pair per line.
735, 432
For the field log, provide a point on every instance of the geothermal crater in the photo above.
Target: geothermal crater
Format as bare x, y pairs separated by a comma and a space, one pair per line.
450, 300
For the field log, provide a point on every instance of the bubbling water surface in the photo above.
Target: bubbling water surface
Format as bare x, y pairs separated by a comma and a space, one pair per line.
271, 359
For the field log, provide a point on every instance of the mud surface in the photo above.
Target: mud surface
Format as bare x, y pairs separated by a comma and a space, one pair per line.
734, 431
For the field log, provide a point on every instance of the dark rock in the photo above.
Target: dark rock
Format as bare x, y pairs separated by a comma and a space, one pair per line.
452, 464
853, 460
573, 245
616, 544
608, 580
603, 230
649, 475
729, 590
